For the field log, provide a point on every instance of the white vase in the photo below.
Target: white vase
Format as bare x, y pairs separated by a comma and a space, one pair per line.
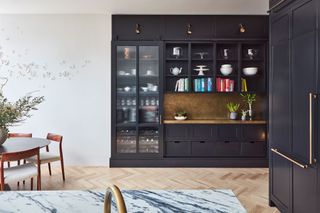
233, 115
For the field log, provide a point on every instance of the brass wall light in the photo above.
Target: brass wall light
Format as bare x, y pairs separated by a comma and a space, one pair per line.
138, 29
189, 31
242, 28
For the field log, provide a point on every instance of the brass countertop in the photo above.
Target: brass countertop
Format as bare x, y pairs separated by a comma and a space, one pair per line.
191, 121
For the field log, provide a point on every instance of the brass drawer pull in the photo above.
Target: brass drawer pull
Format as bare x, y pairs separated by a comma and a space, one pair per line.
289, 159
311, 97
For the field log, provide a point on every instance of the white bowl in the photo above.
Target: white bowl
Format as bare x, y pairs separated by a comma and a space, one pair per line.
250, 71
226, 71
226, 66
180, 118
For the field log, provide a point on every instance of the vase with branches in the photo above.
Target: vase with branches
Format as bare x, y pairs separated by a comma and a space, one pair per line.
249, 99
14, 113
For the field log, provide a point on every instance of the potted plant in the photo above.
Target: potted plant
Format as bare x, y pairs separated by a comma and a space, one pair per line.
180, 115
244, 114
13, 113
233, 108
249, 99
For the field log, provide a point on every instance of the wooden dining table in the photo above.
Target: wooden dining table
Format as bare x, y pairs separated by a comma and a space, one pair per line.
23, 144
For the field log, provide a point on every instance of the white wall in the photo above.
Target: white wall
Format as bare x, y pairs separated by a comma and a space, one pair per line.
67, 58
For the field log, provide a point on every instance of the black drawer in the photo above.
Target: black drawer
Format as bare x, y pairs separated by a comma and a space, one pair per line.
203, 149
254, 149
228, 132
178, 149
124, 27
229, 26
203, 132
254, 132
176, 132
228, 149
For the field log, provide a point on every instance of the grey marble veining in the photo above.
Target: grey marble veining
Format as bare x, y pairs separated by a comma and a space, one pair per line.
166, 201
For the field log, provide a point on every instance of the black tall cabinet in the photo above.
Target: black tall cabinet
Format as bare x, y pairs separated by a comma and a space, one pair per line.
293, 125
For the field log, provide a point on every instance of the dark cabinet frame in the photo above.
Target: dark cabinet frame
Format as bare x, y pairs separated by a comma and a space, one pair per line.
115, 154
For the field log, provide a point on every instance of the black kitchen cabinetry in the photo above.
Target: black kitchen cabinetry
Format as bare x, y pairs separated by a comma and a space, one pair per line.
188, 27
142, 58
136, 98
294, 102
223, 140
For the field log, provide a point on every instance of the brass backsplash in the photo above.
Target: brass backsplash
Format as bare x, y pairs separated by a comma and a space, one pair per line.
210, 106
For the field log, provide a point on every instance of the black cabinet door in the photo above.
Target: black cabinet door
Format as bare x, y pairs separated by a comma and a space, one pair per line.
280, 118
242, 26
304, 80
137, 27
189, 27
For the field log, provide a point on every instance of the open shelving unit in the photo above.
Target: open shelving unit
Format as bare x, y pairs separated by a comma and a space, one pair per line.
215, 54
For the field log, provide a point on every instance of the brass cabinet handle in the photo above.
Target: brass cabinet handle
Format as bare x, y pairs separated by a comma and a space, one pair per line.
311, 97
275, 6
116, 193
160, 119
304, 166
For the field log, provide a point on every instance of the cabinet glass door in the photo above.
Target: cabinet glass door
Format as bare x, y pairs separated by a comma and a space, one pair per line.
126, 96
149, 99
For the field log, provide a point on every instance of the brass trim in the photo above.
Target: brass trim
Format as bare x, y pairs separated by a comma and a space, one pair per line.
310, 128
160, 119
289, 159
275, 6
115, 192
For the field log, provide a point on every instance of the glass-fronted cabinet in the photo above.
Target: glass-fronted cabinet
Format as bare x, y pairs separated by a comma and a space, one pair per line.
137, 97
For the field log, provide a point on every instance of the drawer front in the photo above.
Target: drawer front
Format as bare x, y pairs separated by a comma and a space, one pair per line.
254, 26
228, 132
203, 149
254, 132
227, 149
203, 132
254, 149
125, 26
201, 27
176, 132
178, 149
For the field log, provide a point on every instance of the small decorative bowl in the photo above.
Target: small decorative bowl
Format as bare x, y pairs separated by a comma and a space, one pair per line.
180, 118
249, 71
226, 70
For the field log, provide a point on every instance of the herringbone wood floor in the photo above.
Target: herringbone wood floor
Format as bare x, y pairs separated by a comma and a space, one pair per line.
250, 185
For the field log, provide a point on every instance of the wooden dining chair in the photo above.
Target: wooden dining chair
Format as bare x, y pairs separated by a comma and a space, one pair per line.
48, 157
18, 135
20, 172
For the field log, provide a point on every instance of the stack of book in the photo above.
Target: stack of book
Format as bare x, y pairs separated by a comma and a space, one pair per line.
244, 87
182, 85
224, 85
202, 85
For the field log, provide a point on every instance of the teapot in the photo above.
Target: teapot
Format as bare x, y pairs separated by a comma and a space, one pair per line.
175, 70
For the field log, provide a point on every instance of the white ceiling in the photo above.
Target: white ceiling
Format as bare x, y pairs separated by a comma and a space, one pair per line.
135, 6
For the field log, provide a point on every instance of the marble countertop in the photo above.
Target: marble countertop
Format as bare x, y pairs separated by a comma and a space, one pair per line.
217, 121
166, 201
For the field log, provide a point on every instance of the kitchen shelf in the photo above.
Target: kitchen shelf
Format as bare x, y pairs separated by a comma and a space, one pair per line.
218, 121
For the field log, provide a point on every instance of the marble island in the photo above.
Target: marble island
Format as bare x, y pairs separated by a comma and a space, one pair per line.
166, 201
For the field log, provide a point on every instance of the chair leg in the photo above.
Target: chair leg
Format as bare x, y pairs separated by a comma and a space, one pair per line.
49, 167
62, 169
8, 164
39, 183
31, 187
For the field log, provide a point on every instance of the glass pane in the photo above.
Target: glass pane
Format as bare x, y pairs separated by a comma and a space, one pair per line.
149, 84
126, 140
149, 140
126, 84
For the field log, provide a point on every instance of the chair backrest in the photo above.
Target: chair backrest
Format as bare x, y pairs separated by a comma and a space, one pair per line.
54, 137
15, 156
19, 135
